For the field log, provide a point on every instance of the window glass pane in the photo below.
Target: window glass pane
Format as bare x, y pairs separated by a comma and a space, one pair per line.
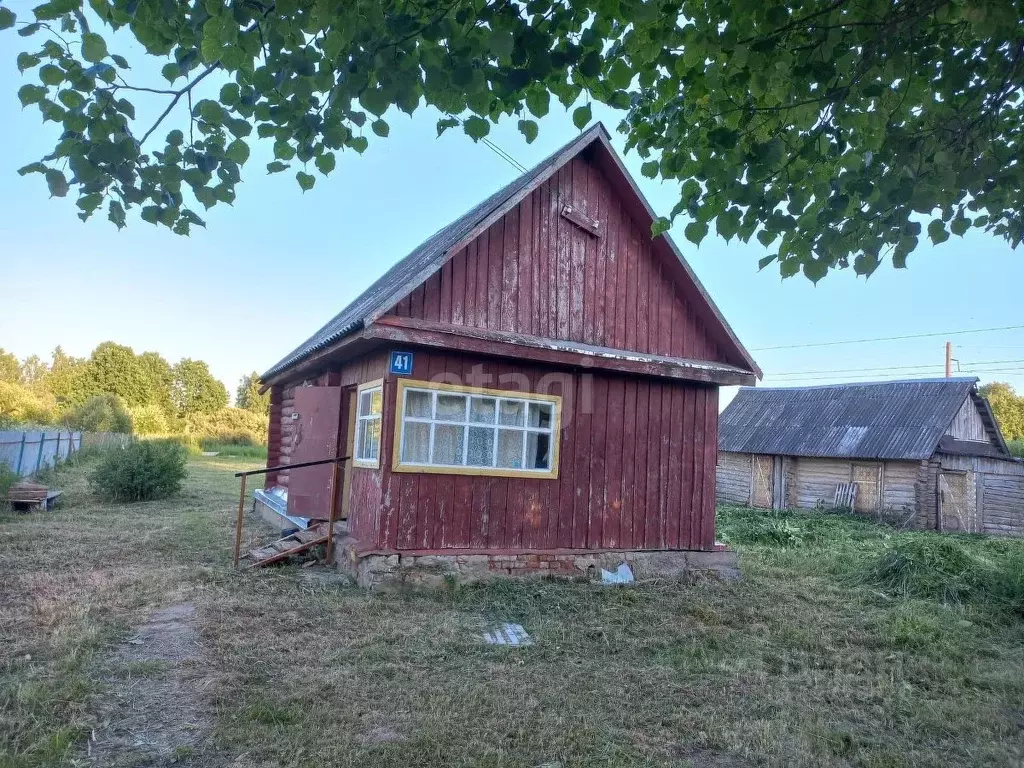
451, 408
510, 448
481, 410
364, 402
540, 415
376, 400
447, 444
418, 404
538, 446
511, 413
360, 431
481, 447
372, 439
415, 442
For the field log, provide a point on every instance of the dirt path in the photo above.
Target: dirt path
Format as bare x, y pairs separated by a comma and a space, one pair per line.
156, 709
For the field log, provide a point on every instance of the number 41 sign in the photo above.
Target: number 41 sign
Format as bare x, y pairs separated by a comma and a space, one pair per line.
401, 363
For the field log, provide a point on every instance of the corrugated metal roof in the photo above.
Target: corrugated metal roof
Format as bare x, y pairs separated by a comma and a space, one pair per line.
433, 251
877, 420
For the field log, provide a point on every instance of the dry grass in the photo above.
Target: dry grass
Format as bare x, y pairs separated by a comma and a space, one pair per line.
792, 666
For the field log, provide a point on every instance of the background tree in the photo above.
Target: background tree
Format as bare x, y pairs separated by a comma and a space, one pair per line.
115, 369
101, 413
161, 380
836, 132
195, 390
10, 368
68, 379
34, 372
248, 396
1008, 408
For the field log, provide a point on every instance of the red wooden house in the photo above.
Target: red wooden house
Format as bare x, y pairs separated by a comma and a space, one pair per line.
534, 388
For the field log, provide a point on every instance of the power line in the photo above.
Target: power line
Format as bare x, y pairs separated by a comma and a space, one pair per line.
892, 368
887, 338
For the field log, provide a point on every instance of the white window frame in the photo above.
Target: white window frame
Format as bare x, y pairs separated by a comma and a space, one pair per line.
362, 421
553, 431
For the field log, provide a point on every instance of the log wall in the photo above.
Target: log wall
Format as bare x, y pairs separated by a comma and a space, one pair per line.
732, 482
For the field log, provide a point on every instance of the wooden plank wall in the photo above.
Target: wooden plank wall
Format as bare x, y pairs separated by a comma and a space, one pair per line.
815, 480
636, 469
535, 272
1002, 503
967, 424
733, 478
899, 480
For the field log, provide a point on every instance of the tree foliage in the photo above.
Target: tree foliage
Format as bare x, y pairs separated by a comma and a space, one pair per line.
248, 396
101, 413
836, 133
1008, 408
10, 368
195, 390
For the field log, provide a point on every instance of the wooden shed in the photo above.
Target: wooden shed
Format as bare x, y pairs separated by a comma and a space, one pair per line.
925, 453
534, 388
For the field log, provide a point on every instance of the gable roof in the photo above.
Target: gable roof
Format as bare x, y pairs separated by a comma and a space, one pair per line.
876, 420
431, 255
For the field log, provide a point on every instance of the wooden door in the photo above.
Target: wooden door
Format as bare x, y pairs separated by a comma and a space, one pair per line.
761, 486
779, 483
868, 478
957, 502
349, 441
315, 438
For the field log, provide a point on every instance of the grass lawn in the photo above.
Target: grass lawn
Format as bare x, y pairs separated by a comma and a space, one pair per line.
806, 661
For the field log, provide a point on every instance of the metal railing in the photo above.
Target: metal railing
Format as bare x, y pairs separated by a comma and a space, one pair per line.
335, 476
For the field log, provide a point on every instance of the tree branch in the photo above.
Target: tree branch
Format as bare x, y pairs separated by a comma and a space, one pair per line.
177, 97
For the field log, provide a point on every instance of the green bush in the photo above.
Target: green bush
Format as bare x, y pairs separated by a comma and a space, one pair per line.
101, 413
147, 469
234, 426
1016, 447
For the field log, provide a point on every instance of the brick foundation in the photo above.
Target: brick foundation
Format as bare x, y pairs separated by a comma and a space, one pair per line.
391, 571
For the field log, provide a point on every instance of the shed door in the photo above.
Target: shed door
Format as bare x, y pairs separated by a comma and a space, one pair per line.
868, 478
957, 502
316, 438
761, 486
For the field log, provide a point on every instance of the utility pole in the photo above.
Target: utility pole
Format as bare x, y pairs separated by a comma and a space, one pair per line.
949, 359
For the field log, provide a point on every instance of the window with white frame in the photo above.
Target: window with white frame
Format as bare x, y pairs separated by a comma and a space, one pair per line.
472, 431
369, 405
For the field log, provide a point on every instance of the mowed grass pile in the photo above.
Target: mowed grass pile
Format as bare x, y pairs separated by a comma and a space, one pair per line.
819, 656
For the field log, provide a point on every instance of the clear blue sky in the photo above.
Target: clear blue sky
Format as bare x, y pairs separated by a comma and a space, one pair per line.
271, 270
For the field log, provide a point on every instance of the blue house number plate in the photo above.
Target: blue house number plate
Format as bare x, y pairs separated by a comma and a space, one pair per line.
401, 363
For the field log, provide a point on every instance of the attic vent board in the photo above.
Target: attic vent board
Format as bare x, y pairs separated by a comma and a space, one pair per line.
581, 220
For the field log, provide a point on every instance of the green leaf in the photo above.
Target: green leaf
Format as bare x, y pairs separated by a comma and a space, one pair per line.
94, 47
115, 212
581, 116
766, 260
476, 127
660, 225
56, 182
325, 163
31, 94
306, 181
380, 128
237, 151
446, 123
538, 101
121, 61
696, 231
591, 65
358, 143
30, 29
171, 72
51, 75
32, 168
937, 232
276, 166
27, 61
650, 169
7, 18
529, 129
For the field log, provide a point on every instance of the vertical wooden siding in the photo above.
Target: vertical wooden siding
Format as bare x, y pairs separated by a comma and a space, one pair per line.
636, 470
534, 272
